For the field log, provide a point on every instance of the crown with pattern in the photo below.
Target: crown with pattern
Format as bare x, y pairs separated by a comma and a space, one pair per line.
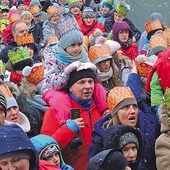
117, 95
98, 53
51, 40
2, 67
27, 38
34, 74
158, 43
34, 9
13, 15
19, 54
153, 25
143, 69
122, 8
166, 34
52, 9
6, 91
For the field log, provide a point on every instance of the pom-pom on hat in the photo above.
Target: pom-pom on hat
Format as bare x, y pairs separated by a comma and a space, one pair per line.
113, 45
88, 13
68, 31
20, 57
119, 97
34, 74
73, 3
13, 15
98, 53
122, 8
25, 39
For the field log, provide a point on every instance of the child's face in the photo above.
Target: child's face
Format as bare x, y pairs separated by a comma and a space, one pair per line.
130, 152
74, 49
75, 10
123, 35
118, 17
54, 159
21, 7
106, 10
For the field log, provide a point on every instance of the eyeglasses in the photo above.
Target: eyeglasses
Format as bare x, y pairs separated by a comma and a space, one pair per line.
105, 62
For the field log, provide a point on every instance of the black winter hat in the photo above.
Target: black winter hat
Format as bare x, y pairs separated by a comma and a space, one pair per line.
19, 2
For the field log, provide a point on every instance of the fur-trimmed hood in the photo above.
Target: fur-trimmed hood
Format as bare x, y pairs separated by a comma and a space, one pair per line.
164, 115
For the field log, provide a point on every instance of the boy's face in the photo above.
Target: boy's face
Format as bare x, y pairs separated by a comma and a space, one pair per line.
130, 152
118, 17
21, 7
75, 10
4, 15
106, 10
74, 49
54, 159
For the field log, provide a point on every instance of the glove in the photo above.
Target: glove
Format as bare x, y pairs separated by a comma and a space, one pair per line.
88, 65
71, 67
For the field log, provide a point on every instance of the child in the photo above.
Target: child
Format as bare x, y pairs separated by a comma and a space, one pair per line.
49, 153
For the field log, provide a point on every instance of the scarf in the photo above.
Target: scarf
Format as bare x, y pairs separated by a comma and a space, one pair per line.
66, 58
84, 104
106, 75
126, 45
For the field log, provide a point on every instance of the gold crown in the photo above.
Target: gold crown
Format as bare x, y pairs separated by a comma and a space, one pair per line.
34, 9
153, 25
52, 40
158, 40
166, 34
99, 53
27, 38
52, 9
14, 17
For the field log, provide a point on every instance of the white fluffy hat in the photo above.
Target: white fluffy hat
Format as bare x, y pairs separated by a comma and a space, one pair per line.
114, 46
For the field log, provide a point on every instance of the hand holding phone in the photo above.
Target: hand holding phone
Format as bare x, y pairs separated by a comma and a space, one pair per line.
74, 113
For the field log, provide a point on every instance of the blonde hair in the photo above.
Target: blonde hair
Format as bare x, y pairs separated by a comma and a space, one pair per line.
26, 14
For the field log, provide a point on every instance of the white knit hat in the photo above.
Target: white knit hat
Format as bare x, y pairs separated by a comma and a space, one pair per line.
114, 46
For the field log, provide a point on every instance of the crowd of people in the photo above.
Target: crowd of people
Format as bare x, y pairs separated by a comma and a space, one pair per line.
81, 88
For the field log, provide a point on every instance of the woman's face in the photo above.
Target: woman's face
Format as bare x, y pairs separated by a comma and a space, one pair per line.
74, 49
123, 35
75, 10
14, 163
128, 115
89, 21
27, 20
104, 66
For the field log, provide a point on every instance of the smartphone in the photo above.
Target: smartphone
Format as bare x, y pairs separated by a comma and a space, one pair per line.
74, 113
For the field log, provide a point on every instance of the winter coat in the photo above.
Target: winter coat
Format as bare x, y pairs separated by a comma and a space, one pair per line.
110, 22
78, 18
41, 142
89, 29
162, 144
147, 133
73, 155
48, 30
36, 31
103, 18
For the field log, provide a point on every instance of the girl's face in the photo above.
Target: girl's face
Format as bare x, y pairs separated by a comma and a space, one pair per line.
54, 159
75, 10
27, 20
31, 52
55, 18
74, 49
128, 115
14, 163
89, 21
104, 66
123, 35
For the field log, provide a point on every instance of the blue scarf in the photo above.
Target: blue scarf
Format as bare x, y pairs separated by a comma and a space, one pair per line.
84, 104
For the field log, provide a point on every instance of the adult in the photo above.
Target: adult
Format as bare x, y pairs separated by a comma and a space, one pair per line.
18, 29
17, 150
2, 109
123, 107
75, 144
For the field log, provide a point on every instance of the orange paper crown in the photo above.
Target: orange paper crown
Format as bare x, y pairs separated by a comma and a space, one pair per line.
143, 69
52, 40
27, 38
34, 9
98, 53
158, 40
52, 9
13, 15
166, 34
153, 25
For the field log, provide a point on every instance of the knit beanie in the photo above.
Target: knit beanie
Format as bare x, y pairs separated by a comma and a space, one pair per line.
73, 3
48, 151
88, 13
155, 16
127, 138
118, 97
77, 75
3, 101
19, 2
107, 4
115, 159
68, 31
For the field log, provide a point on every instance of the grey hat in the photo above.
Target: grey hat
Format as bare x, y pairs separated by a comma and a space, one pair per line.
127, 138
155, 16
88, 13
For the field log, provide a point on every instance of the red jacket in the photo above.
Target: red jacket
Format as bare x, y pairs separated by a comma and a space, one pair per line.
131, 52
44, 165
78, 157
87, 30
78, 18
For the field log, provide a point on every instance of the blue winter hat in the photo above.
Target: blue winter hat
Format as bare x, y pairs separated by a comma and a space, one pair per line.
107, 5
14, 141
155, 16
68, 31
